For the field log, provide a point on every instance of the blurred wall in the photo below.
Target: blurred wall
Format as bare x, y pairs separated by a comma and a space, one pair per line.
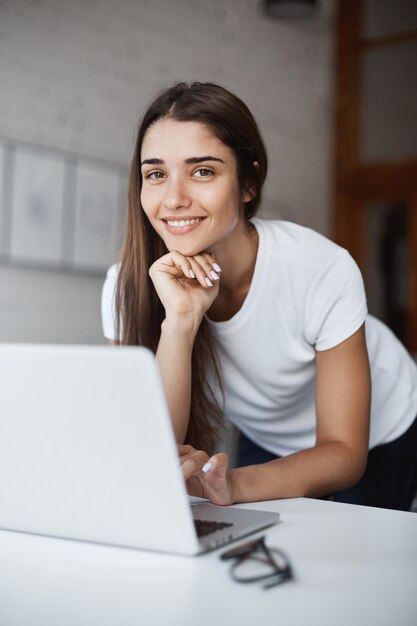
76, 75
49, 307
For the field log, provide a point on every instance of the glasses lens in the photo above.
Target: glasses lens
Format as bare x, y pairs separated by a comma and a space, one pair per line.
251, 568
259, 566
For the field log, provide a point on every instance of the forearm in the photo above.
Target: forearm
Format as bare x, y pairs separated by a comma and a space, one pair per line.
314, 472
174, 362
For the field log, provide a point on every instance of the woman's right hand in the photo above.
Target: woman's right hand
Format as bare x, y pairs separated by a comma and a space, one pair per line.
186, 286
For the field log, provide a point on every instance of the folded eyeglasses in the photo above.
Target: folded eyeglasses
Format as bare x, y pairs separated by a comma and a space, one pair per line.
255, 561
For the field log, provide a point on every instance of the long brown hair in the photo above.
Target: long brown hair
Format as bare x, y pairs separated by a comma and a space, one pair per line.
139, 312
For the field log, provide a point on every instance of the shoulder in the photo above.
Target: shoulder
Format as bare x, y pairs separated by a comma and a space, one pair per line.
318, 283
109, 286
108, 308
113, 273
301, 246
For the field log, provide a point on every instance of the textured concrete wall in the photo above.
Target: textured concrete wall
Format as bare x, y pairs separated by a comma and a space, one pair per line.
76, 75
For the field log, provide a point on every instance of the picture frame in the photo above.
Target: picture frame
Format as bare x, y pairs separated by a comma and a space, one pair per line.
99, 208
37, 208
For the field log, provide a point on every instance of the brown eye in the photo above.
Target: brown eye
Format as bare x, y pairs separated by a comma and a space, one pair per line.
203, 172
154, 175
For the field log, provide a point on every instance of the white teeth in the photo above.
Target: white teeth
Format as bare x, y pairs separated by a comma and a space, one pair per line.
178, 223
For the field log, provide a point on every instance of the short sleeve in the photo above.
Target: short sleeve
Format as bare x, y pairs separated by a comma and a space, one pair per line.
336, 302
108, 308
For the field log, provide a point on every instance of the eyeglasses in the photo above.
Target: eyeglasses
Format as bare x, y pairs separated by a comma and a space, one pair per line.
254, 562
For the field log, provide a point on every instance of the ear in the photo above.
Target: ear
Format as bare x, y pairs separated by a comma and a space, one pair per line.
247, 196
249, 193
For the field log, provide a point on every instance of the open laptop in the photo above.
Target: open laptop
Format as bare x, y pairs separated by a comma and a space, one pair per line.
87, 452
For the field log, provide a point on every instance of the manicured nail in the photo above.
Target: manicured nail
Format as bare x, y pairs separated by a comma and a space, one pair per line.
191, 273
214, 275
207, 467
217, 267
208, 281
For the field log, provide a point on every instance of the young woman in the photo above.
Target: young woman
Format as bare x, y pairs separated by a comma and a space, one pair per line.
264, 322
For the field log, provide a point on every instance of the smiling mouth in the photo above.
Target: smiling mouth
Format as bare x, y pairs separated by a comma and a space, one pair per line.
186, 222
182, 226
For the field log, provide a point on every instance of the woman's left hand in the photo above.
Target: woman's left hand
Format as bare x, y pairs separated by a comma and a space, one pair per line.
213, 482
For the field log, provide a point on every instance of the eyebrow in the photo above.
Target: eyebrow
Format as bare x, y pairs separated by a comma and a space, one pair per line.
189, 161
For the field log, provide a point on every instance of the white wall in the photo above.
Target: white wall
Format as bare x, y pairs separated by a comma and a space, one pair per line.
75, 76
49, 307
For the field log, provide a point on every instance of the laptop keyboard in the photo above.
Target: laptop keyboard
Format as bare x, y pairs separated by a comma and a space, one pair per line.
206, 527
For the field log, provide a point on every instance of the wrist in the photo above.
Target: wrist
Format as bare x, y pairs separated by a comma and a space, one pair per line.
235, 486
182, 324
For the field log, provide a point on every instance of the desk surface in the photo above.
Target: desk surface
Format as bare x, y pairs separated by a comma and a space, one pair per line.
353, 565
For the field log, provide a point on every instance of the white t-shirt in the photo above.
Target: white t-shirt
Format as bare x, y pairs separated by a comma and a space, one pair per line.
306, 295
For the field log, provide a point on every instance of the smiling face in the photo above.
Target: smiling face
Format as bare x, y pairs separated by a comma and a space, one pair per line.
190, 191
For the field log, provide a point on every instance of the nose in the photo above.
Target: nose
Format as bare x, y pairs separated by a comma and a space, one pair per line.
177, 195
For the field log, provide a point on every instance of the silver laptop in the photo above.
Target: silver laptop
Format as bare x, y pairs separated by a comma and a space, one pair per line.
87, 452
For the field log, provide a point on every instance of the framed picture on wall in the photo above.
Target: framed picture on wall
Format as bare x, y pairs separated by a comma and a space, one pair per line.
99, 211
37, 208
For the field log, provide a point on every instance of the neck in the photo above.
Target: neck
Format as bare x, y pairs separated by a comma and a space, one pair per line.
237, 258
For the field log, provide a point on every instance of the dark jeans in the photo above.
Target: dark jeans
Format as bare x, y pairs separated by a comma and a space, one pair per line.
389, 481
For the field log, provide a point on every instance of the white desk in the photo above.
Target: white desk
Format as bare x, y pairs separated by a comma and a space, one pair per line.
354, 565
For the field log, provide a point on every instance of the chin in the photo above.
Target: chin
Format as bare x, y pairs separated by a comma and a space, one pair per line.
185, 249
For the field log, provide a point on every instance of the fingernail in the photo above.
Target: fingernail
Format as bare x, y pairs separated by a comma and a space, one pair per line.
217, 267
208, 281
191, 273
207, 467
214, 275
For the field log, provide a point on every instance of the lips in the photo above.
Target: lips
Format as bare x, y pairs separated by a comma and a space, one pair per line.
182, 226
